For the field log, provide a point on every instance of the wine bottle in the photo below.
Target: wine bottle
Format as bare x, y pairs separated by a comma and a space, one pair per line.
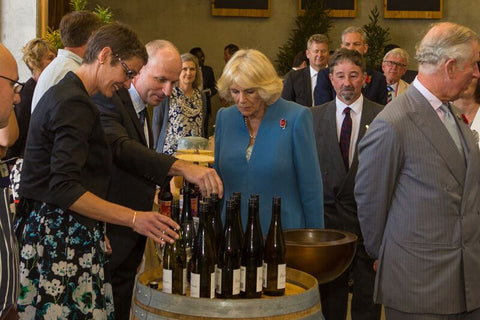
274, 265
175, 261
202, 279
251, 269
228, 269
165, 198
237, 196
187, 227
216, 220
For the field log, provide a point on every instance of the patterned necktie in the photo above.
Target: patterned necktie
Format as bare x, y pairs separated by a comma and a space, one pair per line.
451, 126
141, 117
345, 135
390, 92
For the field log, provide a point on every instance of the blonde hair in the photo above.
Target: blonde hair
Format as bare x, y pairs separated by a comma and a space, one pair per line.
249, 68
34, 51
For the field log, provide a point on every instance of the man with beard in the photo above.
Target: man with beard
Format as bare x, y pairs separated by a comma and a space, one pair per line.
338, 126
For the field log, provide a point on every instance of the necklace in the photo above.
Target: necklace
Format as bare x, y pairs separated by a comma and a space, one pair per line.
253, 137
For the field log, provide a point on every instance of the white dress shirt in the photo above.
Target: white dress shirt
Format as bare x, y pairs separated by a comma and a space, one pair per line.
139, 105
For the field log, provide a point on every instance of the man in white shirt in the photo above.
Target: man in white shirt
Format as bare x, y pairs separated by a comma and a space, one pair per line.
338, 126
298, 85
394, 66
75, 29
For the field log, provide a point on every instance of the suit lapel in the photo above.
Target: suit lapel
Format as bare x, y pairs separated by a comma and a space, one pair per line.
330, 131
428, 122
308, 85
127, 103
366, 118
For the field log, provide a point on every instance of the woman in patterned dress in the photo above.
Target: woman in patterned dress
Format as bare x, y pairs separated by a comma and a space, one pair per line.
183, 114
67, 163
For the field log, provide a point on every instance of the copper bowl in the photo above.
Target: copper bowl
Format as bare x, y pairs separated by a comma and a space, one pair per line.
323, 253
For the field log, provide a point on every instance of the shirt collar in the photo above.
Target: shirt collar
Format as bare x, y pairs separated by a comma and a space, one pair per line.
137, 102
70, 55
356, 106
434, 101
313, 72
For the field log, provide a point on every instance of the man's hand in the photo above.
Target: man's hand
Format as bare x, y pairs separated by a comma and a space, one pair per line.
207, 179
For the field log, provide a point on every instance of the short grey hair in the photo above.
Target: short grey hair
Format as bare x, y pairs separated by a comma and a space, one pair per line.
317, 38
398, 52
353, 29
445, 40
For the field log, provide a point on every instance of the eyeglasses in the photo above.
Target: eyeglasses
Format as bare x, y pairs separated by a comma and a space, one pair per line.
391, 63
128, 72
17, 86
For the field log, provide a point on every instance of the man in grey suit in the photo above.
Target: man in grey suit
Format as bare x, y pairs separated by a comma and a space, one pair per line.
347, 74
418, 188
298, 85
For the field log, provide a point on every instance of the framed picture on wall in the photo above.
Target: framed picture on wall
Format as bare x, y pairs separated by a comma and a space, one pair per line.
241, 8
414, 9
337, 8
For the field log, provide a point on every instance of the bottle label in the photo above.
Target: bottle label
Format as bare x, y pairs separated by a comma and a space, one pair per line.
265, 273
259, 278
184, 284
236, 282
282, 276
243, 274
195, 285
196, 222
218, 282
167, 281
194, 206
165, 207
212, 285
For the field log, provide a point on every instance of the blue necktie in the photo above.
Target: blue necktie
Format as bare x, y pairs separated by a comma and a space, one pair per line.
141, 117
389, 94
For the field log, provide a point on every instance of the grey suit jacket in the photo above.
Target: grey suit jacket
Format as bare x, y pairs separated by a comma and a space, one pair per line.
338, 184
297, 87
418, 206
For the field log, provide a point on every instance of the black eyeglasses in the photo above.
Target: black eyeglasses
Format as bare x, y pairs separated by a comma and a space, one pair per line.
17, 86
391, 63
128, 72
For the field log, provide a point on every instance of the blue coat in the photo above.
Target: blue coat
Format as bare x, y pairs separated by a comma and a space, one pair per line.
283, 163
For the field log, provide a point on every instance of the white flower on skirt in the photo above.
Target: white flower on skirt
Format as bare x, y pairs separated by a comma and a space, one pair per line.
28, 252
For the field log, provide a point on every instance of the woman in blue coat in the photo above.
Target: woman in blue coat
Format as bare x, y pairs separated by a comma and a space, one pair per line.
265, 145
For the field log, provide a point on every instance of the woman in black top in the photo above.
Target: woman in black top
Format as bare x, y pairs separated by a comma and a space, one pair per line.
65, 175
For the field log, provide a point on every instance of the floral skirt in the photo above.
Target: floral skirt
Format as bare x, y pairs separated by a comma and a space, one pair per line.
61, 266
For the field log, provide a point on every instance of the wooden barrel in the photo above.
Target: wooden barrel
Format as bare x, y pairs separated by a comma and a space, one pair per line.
301, 301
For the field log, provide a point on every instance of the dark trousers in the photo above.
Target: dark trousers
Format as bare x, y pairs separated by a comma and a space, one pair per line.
392, 314
122, 271
334, 295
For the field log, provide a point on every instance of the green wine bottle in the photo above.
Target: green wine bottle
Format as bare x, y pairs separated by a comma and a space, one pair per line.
274, 265
202, 273
175, 261
251, 270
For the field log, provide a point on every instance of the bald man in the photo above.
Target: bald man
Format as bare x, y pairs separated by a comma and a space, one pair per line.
10, 92
137, 167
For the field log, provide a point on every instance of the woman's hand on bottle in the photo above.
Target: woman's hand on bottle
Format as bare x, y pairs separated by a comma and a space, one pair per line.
156, 226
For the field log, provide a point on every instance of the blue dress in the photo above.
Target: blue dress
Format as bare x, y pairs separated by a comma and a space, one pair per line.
283, 163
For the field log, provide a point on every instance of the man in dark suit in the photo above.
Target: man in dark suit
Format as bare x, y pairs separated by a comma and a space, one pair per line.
418, 188
375, 87
298, 84
209, 84
137, 167
338, 126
